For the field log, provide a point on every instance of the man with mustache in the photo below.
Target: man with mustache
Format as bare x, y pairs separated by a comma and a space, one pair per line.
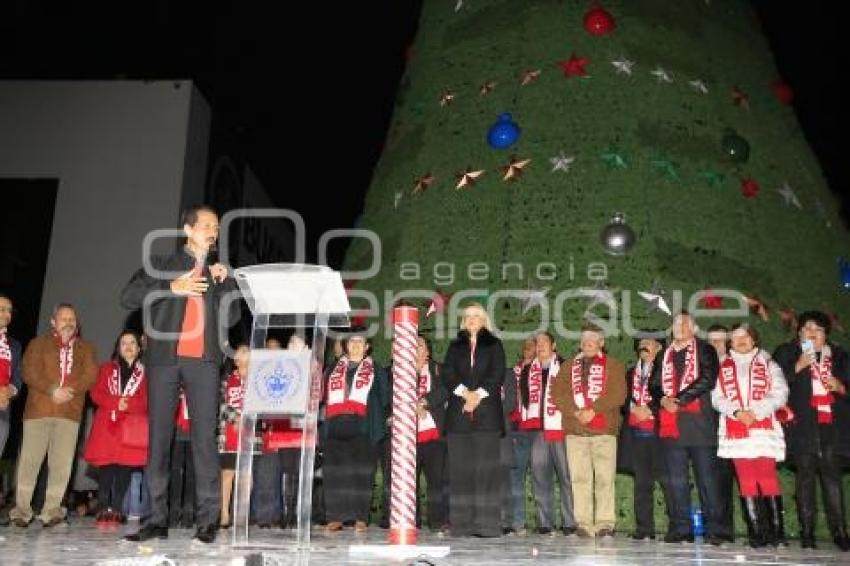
182, 304
59, 367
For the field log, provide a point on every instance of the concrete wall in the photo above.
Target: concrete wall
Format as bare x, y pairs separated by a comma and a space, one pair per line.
119, 150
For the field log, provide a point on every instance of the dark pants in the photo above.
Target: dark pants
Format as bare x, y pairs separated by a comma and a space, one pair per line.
201, 382
808, 467
431, 460
113, 481
725, 486
181, 489
705, 463
275, 486
475, 483
521, 443
648, 466
383, 459
347, 474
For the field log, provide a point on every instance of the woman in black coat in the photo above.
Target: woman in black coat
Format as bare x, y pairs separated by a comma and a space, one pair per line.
818, 377
473, 372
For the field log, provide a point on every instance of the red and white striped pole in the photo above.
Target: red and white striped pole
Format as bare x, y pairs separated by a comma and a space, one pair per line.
403, 485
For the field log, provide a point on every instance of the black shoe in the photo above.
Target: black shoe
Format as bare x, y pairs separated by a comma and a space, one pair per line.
841, 541
148, 532
206, 534
507, 531
605, 533
21, 523
4, 520
262, 525
544, 531
714, 540
678, 538
569, 531
807, 538
54, 522
641, 536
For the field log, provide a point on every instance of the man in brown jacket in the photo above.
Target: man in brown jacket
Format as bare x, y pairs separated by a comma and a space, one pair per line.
59, 367
589, 392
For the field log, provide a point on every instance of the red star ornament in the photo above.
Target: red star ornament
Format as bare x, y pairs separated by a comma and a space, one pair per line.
711, 301
574, 66
749, 187
740, 98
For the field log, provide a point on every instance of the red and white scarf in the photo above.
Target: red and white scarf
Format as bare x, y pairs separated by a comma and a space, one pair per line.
537, 397
130, 388
672, 384
597, 383
66, 358
234, 392
5, 358
357, 398
641, 396
758, 385
822, 398
426, 430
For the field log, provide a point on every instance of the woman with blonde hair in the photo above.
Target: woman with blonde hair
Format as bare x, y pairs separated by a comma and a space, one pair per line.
473, 373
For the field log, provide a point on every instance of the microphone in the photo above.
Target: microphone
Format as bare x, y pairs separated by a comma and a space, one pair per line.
212, 259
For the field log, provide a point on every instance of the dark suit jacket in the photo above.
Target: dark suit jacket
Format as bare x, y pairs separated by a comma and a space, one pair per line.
488, 373
165, 313
695, 429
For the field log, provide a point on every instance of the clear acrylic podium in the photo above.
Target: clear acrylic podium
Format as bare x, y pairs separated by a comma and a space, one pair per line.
307, 299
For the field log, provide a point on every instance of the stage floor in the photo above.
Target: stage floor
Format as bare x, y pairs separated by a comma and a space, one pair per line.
82, 543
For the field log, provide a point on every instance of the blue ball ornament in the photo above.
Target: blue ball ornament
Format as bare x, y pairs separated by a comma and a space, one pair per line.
504, 133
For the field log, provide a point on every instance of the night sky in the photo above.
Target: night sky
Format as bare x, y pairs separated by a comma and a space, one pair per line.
328, 99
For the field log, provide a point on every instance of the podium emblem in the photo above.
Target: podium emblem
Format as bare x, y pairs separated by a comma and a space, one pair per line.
277, 379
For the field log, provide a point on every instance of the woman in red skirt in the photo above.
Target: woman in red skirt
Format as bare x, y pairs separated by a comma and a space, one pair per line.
118, 442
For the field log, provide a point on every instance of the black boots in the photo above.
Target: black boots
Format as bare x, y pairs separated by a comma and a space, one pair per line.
753, 516
775, 520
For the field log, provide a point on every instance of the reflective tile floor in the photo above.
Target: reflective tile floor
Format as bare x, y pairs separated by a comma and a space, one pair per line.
83, 543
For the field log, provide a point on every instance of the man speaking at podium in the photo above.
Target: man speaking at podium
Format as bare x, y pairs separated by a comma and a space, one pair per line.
181, 317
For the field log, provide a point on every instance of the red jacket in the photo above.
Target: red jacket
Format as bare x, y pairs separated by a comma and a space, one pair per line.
104, 444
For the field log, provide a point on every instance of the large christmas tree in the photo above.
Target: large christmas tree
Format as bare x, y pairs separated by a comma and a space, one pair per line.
671, 113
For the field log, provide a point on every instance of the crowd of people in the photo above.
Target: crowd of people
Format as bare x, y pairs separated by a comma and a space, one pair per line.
724, 407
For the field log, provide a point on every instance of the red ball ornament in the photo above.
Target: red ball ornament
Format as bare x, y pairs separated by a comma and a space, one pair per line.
783, 92
598, 21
